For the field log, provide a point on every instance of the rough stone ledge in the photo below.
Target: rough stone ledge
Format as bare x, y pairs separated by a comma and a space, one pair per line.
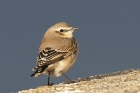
127, 81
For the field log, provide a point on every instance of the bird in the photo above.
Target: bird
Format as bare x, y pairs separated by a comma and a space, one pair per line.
58, 51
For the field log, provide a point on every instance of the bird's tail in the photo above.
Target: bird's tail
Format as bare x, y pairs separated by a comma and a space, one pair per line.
36, 73
39, 71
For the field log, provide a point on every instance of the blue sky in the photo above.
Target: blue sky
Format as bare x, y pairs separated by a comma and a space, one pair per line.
109, 38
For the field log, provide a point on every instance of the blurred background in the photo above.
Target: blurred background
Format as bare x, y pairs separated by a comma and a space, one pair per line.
109, 38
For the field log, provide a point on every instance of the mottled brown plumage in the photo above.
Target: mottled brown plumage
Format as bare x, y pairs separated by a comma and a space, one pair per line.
57, 52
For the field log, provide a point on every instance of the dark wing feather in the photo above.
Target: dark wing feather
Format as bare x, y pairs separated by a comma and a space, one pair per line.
49, 56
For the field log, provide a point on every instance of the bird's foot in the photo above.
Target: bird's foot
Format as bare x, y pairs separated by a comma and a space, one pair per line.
71, 81
50, 84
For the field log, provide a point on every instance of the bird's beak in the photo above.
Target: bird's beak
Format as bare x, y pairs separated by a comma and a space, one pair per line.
74, 28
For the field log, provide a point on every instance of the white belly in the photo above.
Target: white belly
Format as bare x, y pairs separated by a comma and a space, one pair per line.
63, 66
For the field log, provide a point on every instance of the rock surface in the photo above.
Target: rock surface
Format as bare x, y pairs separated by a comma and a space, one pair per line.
127, 81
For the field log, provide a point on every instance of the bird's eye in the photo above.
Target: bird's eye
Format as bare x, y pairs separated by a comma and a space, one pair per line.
61, 30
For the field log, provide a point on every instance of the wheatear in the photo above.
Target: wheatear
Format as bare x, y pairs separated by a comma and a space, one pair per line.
58, 51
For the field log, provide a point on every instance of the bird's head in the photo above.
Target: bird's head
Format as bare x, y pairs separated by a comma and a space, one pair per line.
62, 29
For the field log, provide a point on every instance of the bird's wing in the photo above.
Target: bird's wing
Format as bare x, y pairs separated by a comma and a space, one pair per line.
49, 56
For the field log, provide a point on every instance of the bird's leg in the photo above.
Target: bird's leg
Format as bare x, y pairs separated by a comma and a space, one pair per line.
70, 81
49, 79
